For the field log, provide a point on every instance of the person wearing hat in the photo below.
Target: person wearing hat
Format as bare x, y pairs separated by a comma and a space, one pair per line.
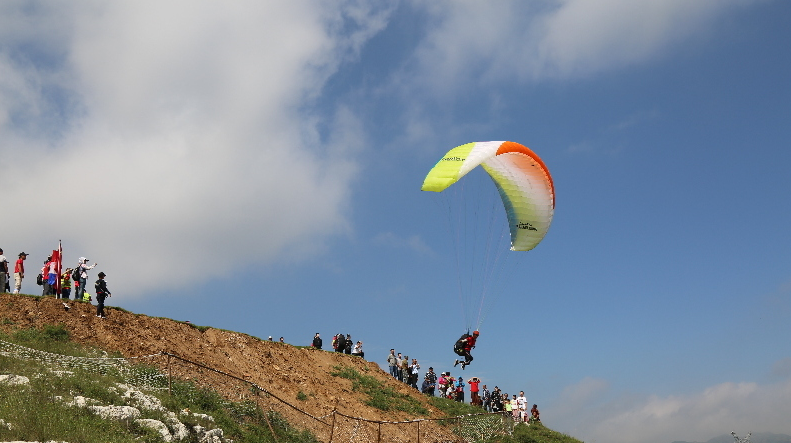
19, 272
101, 294
82, 271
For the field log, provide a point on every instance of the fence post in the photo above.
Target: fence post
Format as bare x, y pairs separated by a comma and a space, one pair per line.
418, 431
334, 411
379, 433
274, 437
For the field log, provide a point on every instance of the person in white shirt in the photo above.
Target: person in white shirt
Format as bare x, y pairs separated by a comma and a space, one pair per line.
82, 267
521, 402
358, 349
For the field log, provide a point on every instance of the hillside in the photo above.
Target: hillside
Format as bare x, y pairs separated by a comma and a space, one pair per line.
282, 369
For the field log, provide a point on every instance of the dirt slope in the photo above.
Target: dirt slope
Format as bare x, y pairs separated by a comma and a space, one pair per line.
283, 369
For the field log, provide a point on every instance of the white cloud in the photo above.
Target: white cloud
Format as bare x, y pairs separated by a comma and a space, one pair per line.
187, 129
473, 44
585, 412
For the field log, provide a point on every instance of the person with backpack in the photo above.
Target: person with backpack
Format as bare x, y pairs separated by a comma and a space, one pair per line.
80, 276
42, 279
340, 343
463, 347
101, 293
347, 345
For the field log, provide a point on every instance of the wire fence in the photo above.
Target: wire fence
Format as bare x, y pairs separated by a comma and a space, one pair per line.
157, 371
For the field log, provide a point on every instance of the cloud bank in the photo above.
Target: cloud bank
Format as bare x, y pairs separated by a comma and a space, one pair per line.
175, 139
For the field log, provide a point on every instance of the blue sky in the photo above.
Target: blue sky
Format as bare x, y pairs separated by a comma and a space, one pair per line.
257, 167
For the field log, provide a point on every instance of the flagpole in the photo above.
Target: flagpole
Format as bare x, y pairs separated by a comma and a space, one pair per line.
58, 270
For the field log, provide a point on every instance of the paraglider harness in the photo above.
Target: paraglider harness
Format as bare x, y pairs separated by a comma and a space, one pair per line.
458, 347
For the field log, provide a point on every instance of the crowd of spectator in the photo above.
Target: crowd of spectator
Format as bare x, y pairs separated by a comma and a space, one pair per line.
447, 386
56, 280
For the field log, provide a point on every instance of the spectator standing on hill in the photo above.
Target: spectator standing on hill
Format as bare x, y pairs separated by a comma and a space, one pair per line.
497, 400
317, 341
340, 343
405, 372
82, 271
486, 398
429, 382
101, 293
19, 272
521, 401
427, 387
442, 384
347, 348
3, 272
45, 276
65, 284
414, 373
400, 375
392, 363
431, 376
460, 390
475, 399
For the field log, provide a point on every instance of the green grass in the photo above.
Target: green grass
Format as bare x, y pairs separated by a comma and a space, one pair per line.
535, 433
379, 395
452, 408
37, 416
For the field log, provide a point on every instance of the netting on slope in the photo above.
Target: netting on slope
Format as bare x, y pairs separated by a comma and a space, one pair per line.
134, 372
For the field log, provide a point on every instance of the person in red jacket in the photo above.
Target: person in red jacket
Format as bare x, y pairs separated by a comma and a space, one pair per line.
468, 345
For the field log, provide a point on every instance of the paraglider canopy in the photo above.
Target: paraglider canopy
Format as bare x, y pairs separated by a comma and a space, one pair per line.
521, 177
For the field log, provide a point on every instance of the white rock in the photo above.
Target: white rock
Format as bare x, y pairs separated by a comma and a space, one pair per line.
11, 379
139, 399
82, 402
180, 431
213, 436
157, 426
205, 417
115, 412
